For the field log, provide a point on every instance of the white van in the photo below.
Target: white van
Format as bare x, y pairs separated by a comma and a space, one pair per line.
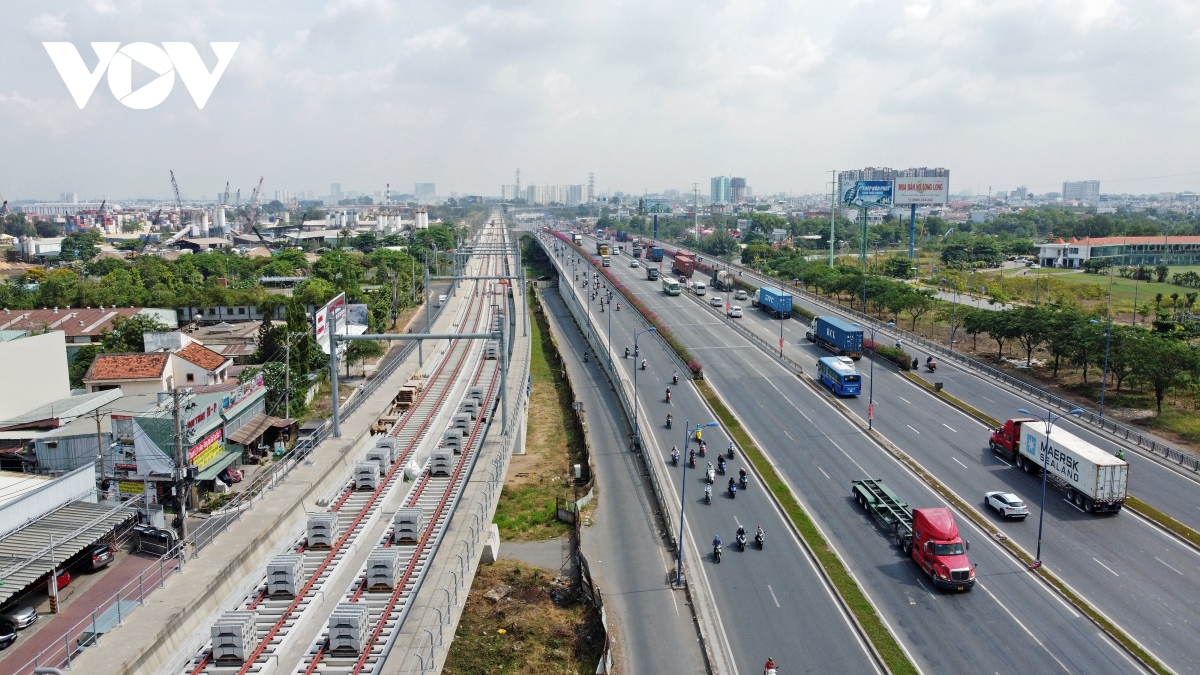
699, 288
441, 300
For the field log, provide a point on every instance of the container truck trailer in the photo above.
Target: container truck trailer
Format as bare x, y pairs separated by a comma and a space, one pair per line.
1092, 479
655, 253
929, 536
836, 335
773, 300
684, 265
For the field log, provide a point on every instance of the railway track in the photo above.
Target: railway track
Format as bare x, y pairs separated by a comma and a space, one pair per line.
269, 623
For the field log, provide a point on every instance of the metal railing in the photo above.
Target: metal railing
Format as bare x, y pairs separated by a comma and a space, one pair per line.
1092, 417
109, 613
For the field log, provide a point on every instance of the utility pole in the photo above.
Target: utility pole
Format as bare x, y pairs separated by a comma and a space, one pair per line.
99, 447
832, 213
181, 469
696, 208
287, 376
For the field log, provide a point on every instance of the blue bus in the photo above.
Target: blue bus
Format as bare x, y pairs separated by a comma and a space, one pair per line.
838, 373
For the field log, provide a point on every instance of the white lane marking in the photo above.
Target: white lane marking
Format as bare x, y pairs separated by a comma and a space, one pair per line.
1075, 507
823, 472
949, 427
1106, 567
904, 399
1022, 625
986, 398
773, 595
1168, 565
675, 602
910, 427
1003, 462
923, 586
738, 522
959, 463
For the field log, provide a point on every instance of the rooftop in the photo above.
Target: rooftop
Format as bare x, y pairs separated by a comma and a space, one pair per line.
74, 322
202, 356
128, 366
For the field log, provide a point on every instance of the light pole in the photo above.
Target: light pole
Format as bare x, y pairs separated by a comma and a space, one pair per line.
871, 387
1049, 419
687, 437
953, 310
637, 438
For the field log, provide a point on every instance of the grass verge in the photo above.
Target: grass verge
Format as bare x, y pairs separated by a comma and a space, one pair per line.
538, 625
526, 510
882, 639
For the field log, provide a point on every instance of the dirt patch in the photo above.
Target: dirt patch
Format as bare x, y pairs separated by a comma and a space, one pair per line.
525, 619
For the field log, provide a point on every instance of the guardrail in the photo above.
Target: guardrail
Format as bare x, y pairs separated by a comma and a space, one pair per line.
1092, 417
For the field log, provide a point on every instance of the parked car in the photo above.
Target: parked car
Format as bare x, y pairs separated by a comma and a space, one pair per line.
100, 556
20, 616
740, 295
634, 263
716, 301
1007, 505
63, 577
735, 312
8, 634
1035, 266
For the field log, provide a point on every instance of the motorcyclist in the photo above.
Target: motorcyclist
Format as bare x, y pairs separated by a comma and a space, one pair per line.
627, 352
703, 447
668, 390
643, 364
618, 306
741, 537
759, 536
707, 493
742, 477
692, 458
709, 474
669, 419
721, 464
674, 375
674, 455
716, 543
769, 667
899, 345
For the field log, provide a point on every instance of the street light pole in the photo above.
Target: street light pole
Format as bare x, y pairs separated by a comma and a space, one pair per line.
953, 311
637, 438
871, 387
687, 437
1049, 419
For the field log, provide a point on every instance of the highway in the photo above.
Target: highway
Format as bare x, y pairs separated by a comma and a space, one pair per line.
772, 602
1140, 577
985, 631
628, 555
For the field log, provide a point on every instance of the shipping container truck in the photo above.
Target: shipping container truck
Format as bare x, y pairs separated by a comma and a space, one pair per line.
929, 536
1092, 479
622, 236
656, 253
773, 300
836, 335
684, 265
652, 273
722, 280
577, 238
602, 248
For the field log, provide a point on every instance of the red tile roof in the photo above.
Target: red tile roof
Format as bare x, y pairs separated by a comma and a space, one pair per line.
72, 321
202, 356
128, 366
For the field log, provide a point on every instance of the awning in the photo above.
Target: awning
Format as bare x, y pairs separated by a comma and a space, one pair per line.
255, 427
227, 457
25, 555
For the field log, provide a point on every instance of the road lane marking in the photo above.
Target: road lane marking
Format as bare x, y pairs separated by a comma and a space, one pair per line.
823, 472
1168, 565
949, 427
773, 595
959, 463
1106, 567
904, 399
986, 398
910, 427
1003, 462
1022, 625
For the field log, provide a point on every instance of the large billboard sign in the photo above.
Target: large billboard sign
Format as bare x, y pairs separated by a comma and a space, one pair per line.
921, 191
334, 310
867, 193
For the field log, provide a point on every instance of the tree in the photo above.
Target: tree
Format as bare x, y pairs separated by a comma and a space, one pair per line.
1120, 344
1161, 272
1029, 326
1088, 340
80, 363
80, 245
271, 338
1161, 362
1001, 327
361, 350
127, 333
1063, 330
918, 304
974, 321
898, 267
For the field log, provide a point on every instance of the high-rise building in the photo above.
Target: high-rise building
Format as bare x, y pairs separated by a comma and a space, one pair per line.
719, 190
574, 195
335, 192
1082, 191
737, 190
510, 192
1019, 194
425, 193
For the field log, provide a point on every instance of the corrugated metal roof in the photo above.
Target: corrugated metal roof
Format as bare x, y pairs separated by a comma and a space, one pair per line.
25, 554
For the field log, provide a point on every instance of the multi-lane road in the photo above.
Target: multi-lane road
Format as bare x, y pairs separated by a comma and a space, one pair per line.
1015, 621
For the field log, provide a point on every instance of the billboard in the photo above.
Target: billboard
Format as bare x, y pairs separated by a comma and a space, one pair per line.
335, 307
867, 193
921, 191
357, 315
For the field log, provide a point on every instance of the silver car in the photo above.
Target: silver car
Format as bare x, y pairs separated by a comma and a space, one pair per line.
21, 616
1007, 505
740, 295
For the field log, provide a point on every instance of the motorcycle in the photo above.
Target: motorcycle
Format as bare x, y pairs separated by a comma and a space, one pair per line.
668, 394
675, 378
668, 420
742, 482
717, 553
758, 539
733, 492
703, 448
675, 458
692, 461
643, 364
721, 465
931, 365
707, 494
741, 542
627, 352
709, 476
729, 451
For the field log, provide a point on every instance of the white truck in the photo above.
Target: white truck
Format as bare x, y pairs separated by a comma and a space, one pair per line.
1093, 480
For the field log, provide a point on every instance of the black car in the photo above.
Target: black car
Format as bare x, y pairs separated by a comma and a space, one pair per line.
8, 634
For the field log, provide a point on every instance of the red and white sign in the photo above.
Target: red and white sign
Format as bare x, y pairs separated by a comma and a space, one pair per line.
921, 191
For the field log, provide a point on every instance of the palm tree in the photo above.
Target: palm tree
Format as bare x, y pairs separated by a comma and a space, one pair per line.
1158, 299
1190, 300
1175, 305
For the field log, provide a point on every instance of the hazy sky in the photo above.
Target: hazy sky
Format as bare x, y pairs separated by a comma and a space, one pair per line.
648, 95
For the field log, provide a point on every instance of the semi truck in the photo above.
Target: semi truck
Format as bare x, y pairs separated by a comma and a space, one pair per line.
722, 280
929, 536
652, 273
602, 248
1092, 479
605, 261
773, 300
622, 235
836, 335
577, 238
684, 265
655, 254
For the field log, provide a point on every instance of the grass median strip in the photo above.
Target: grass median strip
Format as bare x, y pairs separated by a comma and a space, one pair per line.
881, 638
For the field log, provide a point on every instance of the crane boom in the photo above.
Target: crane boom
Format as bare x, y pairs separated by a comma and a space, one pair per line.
252, 217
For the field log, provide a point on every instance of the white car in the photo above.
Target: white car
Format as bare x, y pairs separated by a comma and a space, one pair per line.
740, 295
735, 312
716, 301
634, 263
1007, 505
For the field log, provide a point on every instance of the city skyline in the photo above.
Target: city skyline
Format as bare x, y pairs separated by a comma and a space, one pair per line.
464, 94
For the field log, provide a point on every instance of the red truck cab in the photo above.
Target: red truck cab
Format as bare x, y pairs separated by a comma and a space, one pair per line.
1005, 441
938, 549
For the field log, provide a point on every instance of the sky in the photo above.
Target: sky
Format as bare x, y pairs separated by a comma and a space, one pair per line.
648, 95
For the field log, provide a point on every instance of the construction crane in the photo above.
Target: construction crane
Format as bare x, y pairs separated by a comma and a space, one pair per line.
178, 201
4, 210
157, 219
252, 216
